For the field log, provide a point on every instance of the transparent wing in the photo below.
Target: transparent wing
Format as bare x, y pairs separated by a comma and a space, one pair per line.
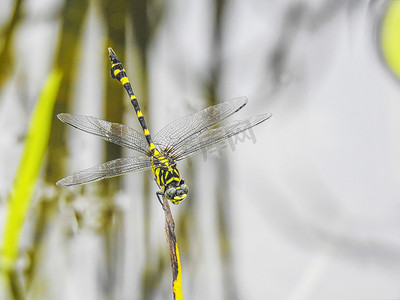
190, 127
108, 169
113, 132
216, 135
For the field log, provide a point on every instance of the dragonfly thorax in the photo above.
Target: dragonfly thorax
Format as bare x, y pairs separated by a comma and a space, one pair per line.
168, 178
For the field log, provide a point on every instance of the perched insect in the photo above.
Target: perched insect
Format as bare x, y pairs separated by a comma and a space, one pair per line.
176, 141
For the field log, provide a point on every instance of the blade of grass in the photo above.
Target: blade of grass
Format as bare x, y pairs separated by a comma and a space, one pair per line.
28, 171
390, 41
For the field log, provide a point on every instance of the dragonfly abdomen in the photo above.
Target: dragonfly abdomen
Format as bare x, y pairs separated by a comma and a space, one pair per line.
118, 72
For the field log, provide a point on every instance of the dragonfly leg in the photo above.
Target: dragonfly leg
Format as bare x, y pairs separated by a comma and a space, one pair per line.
159, 197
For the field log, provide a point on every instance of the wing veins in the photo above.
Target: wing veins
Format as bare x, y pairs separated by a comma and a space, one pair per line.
191, 126
217, 135
116, 167
112, 132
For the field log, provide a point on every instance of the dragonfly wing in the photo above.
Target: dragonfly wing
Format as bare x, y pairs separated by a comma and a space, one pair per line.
191, 126
108, 169
113, 132
216, 135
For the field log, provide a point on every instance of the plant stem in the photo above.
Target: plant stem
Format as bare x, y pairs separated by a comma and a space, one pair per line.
173, 251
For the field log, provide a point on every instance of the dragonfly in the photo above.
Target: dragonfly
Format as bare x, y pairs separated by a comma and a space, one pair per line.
177, 141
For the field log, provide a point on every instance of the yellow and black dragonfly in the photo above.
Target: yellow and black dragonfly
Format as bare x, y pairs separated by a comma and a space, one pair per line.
178, 140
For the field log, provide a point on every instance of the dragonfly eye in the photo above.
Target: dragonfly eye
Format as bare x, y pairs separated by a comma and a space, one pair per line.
170, 193
185, 188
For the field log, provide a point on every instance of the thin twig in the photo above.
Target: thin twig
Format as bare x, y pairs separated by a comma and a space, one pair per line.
173, 251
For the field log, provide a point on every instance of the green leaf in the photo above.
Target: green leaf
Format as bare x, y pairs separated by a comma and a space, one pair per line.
390, 33
28, 170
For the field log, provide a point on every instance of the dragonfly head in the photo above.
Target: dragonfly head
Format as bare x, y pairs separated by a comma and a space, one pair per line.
177, 193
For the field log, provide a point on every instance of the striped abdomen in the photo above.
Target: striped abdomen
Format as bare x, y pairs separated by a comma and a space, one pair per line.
118, 72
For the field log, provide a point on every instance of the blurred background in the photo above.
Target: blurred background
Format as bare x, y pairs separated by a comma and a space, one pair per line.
310, 210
